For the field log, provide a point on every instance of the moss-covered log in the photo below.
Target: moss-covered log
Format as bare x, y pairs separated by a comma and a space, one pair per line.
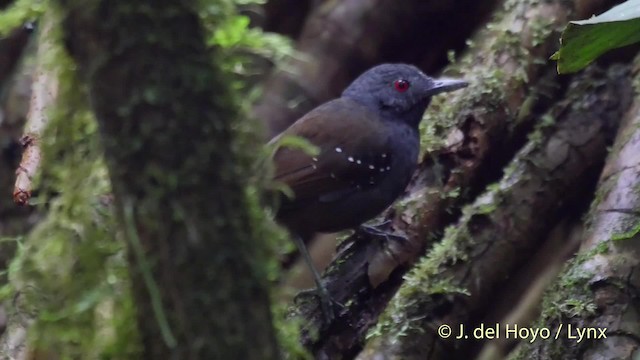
496, 234
179, 172
594, 306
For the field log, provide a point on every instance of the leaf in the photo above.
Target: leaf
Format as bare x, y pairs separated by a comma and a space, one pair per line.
583, 41
295, 142
18, 12
231, 33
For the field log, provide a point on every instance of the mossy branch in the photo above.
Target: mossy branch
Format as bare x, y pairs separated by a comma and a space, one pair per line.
44, 92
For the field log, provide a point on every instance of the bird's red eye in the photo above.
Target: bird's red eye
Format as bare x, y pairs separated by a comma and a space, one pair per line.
401, 85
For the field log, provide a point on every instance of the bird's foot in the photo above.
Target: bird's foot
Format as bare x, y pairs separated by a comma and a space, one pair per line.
381, 231
327, 304
386, 238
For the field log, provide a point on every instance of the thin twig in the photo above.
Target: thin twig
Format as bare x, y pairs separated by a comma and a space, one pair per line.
44, 91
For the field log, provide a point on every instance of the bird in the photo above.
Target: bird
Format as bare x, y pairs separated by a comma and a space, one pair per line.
367, 145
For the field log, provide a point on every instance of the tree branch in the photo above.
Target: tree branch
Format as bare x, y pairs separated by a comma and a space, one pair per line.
43, 95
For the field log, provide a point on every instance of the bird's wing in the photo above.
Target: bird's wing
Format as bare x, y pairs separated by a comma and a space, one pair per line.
354, 153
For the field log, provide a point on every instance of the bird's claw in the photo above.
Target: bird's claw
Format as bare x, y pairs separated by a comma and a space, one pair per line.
327, 304
380, 231
386, 238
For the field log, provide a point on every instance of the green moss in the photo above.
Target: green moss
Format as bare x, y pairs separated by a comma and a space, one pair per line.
547, 121
486, 92
627, 235
341, 239
509, 42
424, 281
487, 208
240, 51
288, 330
577, 307
539, 134
542, 29
427, 279
570, 295
451, 194
510, 5
18, 13
73, 260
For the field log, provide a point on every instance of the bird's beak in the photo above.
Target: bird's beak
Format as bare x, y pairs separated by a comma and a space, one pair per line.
445, 85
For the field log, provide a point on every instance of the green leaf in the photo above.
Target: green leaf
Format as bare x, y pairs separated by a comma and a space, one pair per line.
18, 12
232, 32
296, 142
583, 41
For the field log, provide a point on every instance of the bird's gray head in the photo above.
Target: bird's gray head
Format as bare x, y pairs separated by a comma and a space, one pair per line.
399, 92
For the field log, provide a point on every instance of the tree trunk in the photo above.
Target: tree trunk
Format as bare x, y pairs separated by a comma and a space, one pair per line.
178, 168
597, 295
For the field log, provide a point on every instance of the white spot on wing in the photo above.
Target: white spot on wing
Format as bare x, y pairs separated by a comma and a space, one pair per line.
350, 159
338, 150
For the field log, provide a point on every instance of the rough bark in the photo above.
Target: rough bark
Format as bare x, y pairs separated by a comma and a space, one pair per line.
18, 320
599, 290
519, 303
496, 234
509, 89
178, 172
341, 39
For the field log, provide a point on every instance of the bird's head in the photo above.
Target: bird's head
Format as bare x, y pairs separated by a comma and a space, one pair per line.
399, 92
